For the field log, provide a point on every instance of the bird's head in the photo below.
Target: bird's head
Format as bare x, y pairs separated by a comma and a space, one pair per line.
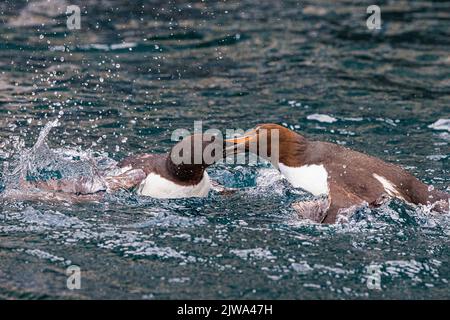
271, 142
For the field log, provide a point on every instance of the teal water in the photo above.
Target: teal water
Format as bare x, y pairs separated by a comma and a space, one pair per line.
135, 72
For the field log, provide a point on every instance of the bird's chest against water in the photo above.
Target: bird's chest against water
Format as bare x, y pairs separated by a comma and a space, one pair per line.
159, 187
311, 178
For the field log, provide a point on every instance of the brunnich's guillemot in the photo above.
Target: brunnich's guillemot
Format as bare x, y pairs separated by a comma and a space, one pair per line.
180, 173
348, 179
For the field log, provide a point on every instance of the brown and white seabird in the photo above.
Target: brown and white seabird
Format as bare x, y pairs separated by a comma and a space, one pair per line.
348, 179
180, 173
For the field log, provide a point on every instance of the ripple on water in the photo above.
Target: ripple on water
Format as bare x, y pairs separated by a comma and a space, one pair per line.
256, 253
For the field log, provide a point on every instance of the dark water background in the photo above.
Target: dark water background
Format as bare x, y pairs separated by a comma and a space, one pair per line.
138, 70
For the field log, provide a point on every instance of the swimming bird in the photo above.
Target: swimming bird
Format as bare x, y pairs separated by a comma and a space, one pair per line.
180, 173
346, 179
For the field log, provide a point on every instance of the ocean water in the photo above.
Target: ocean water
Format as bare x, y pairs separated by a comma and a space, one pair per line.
134, 72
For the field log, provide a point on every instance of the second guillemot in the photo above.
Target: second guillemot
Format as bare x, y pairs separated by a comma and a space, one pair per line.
349, 179
180, 173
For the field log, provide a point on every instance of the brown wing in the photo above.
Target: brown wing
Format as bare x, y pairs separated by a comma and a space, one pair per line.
126, 180
145, 162
355, 171
76, 186
51, 196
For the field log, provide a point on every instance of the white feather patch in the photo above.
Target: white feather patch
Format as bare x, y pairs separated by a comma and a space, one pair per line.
156, 186
312, 178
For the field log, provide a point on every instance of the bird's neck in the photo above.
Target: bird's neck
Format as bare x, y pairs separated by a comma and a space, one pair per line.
292, 151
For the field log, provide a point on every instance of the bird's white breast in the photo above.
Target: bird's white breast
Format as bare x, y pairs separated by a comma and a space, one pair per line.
312, 178
158, 187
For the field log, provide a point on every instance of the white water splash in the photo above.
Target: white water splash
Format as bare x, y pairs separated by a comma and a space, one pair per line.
257, 253
27, 156
44, 133
441, 124
321, 118
40, 163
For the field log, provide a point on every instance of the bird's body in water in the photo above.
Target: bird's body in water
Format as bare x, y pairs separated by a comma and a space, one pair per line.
348, 179
176, 174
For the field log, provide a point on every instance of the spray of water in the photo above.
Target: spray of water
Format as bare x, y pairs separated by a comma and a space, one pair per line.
40, 165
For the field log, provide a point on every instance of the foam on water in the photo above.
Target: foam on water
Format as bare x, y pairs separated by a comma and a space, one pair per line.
441, 124
41, 163
321, 118
257, 253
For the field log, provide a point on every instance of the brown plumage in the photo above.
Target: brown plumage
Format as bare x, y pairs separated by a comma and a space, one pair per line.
352, 175
186, 173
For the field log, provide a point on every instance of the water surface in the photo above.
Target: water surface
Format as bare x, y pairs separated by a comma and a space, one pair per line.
137, 71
